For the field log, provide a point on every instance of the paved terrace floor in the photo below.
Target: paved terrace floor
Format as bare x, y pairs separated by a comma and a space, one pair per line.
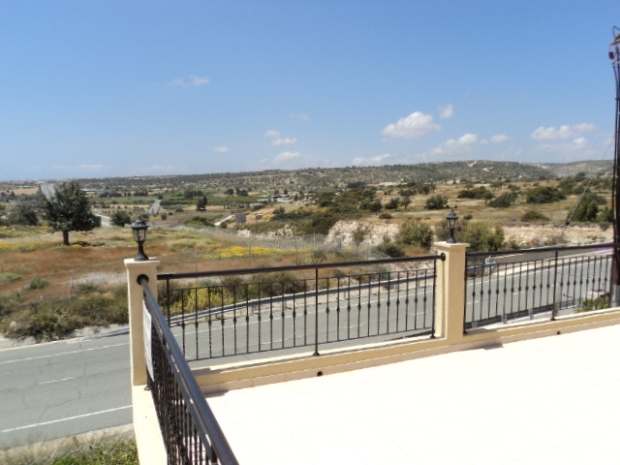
554, 400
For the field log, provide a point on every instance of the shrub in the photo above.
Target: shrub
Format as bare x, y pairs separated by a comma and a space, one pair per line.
393, 203
543, 194
418, 234
385, 216
391, 249
503, 201
478, 234
120, 218
475, 193
6, 277
599, 303
587, 210
38, 283
533, 215
24, 214
436, 202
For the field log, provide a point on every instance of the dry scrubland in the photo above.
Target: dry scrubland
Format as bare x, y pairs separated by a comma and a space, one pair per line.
50, 291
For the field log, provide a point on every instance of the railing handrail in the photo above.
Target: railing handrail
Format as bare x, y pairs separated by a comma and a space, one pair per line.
237, 271
543, 249
205, 420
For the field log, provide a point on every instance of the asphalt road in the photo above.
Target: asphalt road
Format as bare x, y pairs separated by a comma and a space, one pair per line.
55, 390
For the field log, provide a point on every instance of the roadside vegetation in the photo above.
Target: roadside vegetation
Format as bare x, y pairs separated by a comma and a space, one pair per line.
102, 451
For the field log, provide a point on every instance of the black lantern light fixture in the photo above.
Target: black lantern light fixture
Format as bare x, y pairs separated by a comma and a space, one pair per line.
139, 228
452, 218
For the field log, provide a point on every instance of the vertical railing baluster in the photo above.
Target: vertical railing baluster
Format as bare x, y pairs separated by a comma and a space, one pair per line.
222, 319
338, 308
433, 305
168, 300
555, 281
183, 321
283, 312
316, 312
209, 322
378, 303
349, 308
407, 301
234, 304
271, 315
327, 280
369, 306
247, 318
359, 305
306, 313
294, 314
196, 323
260, 316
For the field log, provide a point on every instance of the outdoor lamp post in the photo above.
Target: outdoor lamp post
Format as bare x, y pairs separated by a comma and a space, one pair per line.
452, 218
139, 228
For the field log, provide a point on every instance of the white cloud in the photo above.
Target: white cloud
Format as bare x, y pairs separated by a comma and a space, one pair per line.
272, 134
286, 157
499, 138
576, 149
84, 167
222, 149
277, 141
163, 169
294, 160
456, 146
193, 81
300, 117
414, 126
496, 139
283, 141
371, 161
563, 133
446, 111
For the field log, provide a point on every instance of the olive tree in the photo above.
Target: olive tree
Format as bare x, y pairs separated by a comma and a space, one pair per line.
68, 209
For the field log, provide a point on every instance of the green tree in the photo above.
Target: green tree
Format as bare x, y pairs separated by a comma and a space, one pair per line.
23, 213
392, 204
120, 218
478, 234
405, 201
68, 210
418, 234
436, 202
503, 201
201, 204
543, 194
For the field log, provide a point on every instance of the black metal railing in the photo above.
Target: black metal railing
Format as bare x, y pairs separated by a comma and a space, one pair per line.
189, 429
506, 286
239, 312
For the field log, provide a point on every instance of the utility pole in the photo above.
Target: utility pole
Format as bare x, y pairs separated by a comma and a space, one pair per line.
614, 55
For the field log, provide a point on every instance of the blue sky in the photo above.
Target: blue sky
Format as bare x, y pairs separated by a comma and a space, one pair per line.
120, 88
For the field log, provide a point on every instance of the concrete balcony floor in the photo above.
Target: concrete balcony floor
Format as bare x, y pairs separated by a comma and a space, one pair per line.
553, 400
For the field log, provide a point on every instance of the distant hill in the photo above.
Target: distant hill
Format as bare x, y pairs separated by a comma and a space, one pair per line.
590, 168
310, 179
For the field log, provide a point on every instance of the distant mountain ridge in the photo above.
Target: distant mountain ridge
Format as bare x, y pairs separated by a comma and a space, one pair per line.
316, 178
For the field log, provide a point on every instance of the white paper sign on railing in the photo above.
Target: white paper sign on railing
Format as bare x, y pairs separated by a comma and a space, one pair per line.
147, 328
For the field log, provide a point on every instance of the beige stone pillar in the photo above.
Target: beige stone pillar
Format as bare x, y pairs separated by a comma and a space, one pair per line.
134, 299
450, 292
